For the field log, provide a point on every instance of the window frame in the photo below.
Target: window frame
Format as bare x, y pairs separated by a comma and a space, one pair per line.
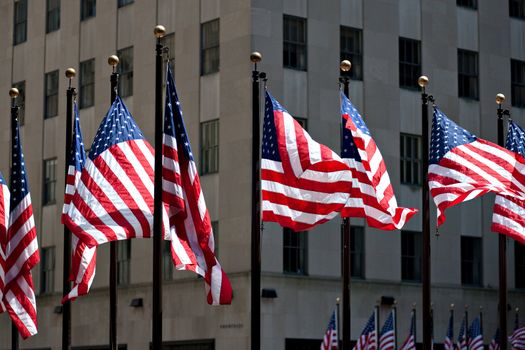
517, 67
49, 185
84, 86
355, 56
473, 261
213, 148
88, 9
51, 95
468, 4
206, 47
124, 263
411, 274
167, 262
20, 7
355, 254
519, 265
125, 70
301, 257
123, 3
409, 69
47, 270
517, 9
409, 161
468, 80
300, 44
49, 13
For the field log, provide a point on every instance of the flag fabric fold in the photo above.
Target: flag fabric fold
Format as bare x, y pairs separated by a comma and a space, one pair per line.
83, 258
463, 167
330, 341
372, 195
410, 341
303, 182
494, 344
461, 343
21, 247
387, 337
449, 339
4, 223
192, 241
517, 339
508, 215
368, 338
475, 335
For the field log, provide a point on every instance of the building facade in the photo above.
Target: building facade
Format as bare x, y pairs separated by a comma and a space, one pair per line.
470, 49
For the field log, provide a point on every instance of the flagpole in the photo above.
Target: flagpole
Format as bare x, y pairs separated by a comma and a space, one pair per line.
255, 58
113, 61
425, 270
337, 302
13, 93
345, 229
66, 285
159, 32
502, 242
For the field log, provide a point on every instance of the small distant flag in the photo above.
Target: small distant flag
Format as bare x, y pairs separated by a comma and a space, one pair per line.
330, 341
475, 335
387, 338
517, 339
21, 248
303, 182
449, 338
462, 337
4, 223
83, 258
368, 338
463, 167
495, 342
372, 195
410, 341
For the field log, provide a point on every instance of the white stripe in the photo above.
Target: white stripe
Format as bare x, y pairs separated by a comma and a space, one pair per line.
304, 195
19, 310
313, 175
28, 251
290, 140
295, 215
77, 217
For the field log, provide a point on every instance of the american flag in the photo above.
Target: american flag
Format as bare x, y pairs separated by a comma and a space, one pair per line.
463, 167
494, 344
387, 338
303, 182
449, 339
372, 195
192, 243
509, 213
330, 341
462, 337
475, 335
83, 258
517, 339
368, 338
21, 248
4, 223
114, 196
410, 341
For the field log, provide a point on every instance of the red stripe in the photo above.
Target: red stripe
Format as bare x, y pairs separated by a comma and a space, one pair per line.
285, 221
305, 184
299, 204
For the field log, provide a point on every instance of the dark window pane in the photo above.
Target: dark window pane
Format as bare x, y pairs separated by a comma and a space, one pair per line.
20, 22
123, 261
50, 181
411, 256
88, 9
468, 74
519, 264
209, 147
351, 44
294, 42
87, 83
409, 63
294, 252
51, 94
472, 4
21, 101
517, 9
517, 83
410, 159
210, 41
47, 270
357, 251
167, 262
125, 68
124, 2
53, 15
471, 264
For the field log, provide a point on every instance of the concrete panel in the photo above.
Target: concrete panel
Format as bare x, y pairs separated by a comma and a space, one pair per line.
125, 29
209, 97
352, 13
295, 93
517, 38
296, 7
166, 14
210, 9
410, 19
467, 29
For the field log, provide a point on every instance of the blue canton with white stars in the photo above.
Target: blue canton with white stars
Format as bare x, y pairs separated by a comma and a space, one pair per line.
370, 325
19, 185
461, 334
389, 324
331, 324
118, 126
270, 148
475, 328
348, 147
78, 153
173, 118
446, 135
516, 139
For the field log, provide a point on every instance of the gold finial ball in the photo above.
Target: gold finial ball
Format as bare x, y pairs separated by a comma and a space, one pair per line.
500, 98
70, 73
159, 31
413, 305
255, 57
422, 81
345, 65
337, 300
451, 306
113, 60
517, 309
13, 92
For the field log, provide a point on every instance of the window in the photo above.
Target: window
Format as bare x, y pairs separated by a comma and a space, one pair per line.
352, 50
20, 22
206, 344
517, 73
88, 9
210, 47
411, 256
517, 9
210, 147
294, 251
472, 4
215, 228
468, 74
519, 264
294, 42
123, 261
122, 3
302, 121
52, 15
125, 68
410, 159
167, 262
168, 41
51, 94
47, 270
87, 83
21, 100
50, 181
409, 63
303, 344
471, 273
357, 251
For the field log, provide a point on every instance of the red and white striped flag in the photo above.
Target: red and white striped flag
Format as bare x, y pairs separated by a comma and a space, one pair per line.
463, 167
410, 341
368, 338
387, 339
330, 341
303, 182
83, 258
517, 339
372, 195
192, 242
4, 223
21, 248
